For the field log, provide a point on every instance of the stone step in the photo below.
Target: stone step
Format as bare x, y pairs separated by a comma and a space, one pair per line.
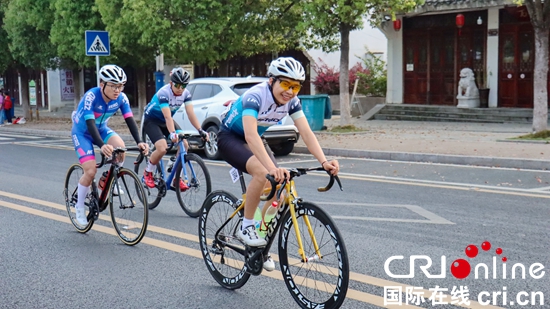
450, 109
445, 119
458, 115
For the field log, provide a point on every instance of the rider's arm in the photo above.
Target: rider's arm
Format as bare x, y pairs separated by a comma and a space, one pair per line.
192, 117
254, 141
168, 119
94, 132
129, 118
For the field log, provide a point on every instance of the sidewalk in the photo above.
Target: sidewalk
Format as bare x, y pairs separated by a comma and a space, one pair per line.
482, 144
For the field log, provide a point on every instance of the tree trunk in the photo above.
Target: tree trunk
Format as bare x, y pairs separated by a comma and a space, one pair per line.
76, 83
345, 115
142, 92
540, 89
25, 94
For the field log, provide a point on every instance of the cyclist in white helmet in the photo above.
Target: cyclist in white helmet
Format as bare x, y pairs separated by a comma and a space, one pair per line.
241, 144
90, 127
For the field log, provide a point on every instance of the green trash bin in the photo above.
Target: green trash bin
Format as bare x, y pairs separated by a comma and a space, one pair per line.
313, 107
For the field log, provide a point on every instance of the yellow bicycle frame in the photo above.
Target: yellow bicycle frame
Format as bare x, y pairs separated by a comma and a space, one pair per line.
290, 199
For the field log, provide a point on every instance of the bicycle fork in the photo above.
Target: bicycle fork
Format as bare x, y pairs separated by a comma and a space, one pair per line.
301, 251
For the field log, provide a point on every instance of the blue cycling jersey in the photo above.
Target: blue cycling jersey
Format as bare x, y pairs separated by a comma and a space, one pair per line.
92, 106
165, 97
258, 102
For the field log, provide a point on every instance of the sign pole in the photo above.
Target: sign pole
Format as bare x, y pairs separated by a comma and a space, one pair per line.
97, 68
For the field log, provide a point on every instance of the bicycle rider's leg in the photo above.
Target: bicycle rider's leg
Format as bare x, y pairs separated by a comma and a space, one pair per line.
112, 138
85, 152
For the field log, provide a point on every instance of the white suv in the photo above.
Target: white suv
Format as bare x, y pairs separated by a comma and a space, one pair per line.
210, 97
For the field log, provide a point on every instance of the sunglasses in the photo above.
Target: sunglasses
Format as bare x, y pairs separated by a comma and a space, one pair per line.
286, 85
116, 87
179, 86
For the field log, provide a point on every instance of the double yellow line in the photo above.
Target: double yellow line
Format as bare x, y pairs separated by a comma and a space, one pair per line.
352, 294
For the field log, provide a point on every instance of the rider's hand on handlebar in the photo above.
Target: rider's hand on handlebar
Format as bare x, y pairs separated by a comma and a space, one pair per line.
174, 137
332, 166
144, 148
204, 135
279, 174
107, 150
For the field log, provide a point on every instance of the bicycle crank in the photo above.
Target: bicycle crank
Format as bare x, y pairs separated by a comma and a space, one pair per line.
254, 261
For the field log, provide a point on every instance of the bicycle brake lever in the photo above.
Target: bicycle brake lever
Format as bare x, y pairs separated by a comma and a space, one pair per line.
339, 183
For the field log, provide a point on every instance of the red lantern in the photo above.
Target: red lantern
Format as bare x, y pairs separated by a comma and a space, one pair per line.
397, 24
459, 22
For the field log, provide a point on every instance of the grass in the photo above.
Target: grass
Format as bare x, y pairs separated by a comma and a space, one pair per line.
539, 136
345, 129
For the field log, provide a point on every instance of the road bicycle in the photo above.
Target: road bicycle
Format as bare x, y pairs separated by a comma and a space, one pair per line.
312, 254
193, 171
122, 192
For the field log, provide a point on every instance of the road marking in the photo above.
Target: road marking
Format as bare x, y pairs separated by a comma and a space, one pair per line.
352, 294
20, 136
539, 189
432, 218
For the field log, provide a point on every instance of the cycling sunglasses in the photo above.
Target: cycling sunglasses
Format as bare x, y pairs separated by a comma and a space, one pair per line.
179, 86
286, 85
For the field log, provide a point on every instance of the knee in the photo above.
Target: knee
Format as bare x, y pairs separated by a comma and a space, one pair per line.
90, 172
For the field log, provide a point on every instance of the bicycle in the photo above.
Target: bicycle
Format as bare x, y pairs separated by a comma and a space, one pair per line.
97, 202
195, 176
223, 251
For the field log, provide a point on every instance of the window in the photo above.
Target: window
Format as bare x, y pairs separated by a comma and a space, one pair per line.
239, 89
202, 91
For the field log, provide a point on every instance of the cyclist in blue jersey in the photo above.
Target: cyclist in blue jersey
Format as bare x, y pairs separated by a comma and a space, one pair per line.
158, 121
90, 127
241, 144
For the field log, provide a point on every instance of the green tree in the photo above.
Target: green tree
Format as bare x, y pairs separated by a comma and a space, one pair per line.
330, 22
6, 59
539, 12
27, 24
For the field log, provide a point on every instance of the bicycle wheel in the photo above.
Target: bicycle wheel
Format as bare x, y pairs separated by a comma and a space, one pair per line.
71, 196
224, 264
200, 186
153, 195
128, 207
320, 282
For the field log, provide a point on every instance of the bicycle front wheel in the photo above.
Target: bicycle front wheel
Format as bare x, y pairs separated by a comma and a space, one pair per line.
199, 187
70, 193
321, 281
128, 207
224, 264
153, 195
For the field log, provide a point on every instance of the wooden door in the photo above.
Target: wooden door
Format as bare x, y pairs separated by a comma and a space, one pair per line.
442, 68
416, 65
516, 57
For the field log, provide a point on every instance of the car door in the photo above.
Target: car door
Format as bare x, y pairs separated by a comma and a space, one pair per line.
201, 99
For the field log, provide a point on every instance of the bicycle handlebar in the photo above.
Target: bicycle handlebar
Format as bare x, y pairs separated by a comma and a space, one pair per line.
116, 151
296, 172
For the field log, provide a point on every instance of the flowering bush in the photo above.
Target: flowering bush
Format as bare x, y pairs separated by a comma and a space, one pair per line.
373, 83
328, 79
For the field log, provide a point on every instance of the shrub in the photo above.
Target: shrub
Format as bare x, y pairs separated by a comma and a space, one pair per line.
328, 79
374, 83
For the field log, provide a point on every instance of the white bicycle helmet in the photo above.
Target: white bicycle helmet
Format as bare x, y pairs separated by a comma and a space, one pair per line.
180, 76
112, 73
287, 67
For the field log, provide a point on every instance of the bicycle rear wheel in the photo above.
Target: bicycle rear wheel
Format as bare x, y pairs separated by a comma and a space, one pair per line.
128, 207
224, 264
200, 186
320, 282
153, 195
70, 193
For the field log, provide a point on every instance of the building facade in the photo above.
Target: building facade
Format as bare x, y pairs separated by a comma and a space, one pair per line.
493, 38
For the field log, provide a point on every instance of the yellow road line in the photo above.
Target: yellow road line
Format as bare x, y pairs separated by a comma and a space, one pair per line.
366, 279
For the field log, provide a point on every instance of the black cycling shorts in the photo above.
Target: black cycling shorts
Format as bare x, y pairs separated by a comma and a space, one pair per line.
157, 130
235, 151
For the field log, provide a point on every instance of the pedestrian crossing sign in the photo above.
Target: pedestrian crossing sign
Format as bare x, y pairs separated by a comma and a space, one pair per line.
97, 43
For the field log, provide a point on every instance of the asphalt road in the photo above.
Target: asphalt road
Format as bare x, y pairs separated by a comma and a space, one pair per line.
386, 209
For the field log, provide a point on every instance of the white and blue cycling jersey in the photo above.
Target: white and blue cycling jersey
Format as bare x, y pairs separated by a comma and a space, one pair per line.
165, 97
92, 106
258, 102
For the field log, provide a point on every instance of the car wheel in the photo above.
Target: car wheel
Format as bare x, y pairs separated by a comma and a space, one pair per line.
211, 149
282, 149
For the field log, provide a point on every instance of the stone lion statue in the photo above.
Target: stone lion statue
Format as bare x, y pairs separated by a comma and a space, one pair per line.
467, 85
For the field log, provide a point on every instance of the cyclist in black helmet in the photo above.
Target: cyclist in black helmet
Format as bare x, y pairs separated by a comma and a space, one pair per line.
158, 121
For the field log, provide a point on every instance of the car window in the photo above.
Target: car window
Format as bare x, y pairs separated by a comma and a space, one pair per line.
216, 89
190, 88
239, 89
202, 91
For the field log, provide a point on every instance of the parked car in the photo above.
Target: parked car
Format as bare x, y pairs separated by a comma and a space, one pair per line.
211, 96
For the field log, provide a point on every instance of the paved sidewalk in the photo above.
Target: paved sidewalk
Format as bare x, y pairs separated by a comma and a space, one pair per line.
484, 144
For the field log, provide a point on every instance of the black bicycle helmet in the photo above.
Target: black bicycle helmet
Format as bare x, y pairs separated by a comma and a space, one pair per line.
180, 76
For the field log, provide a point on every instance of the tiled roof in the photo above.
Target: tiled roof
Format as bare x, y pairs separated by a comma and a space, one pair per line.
449, 5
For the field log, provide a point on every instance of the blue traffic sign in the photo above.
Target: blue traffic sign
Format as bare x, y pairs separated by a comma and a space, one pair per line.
97, 43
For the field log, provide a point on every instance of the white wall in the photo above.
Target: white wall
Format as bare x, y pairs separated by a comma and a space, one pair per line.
492, 56
359, 40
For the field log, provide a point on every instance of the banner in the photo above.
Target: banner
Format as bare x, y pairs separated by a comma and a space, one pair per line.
67, 85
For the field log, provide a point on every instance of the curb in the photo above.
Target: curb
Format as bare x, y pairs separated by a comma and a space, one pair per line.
434, 158
49, 133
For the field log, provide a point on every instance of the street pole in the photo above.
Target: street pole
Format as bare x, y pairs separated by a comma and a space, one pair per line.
97, 68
